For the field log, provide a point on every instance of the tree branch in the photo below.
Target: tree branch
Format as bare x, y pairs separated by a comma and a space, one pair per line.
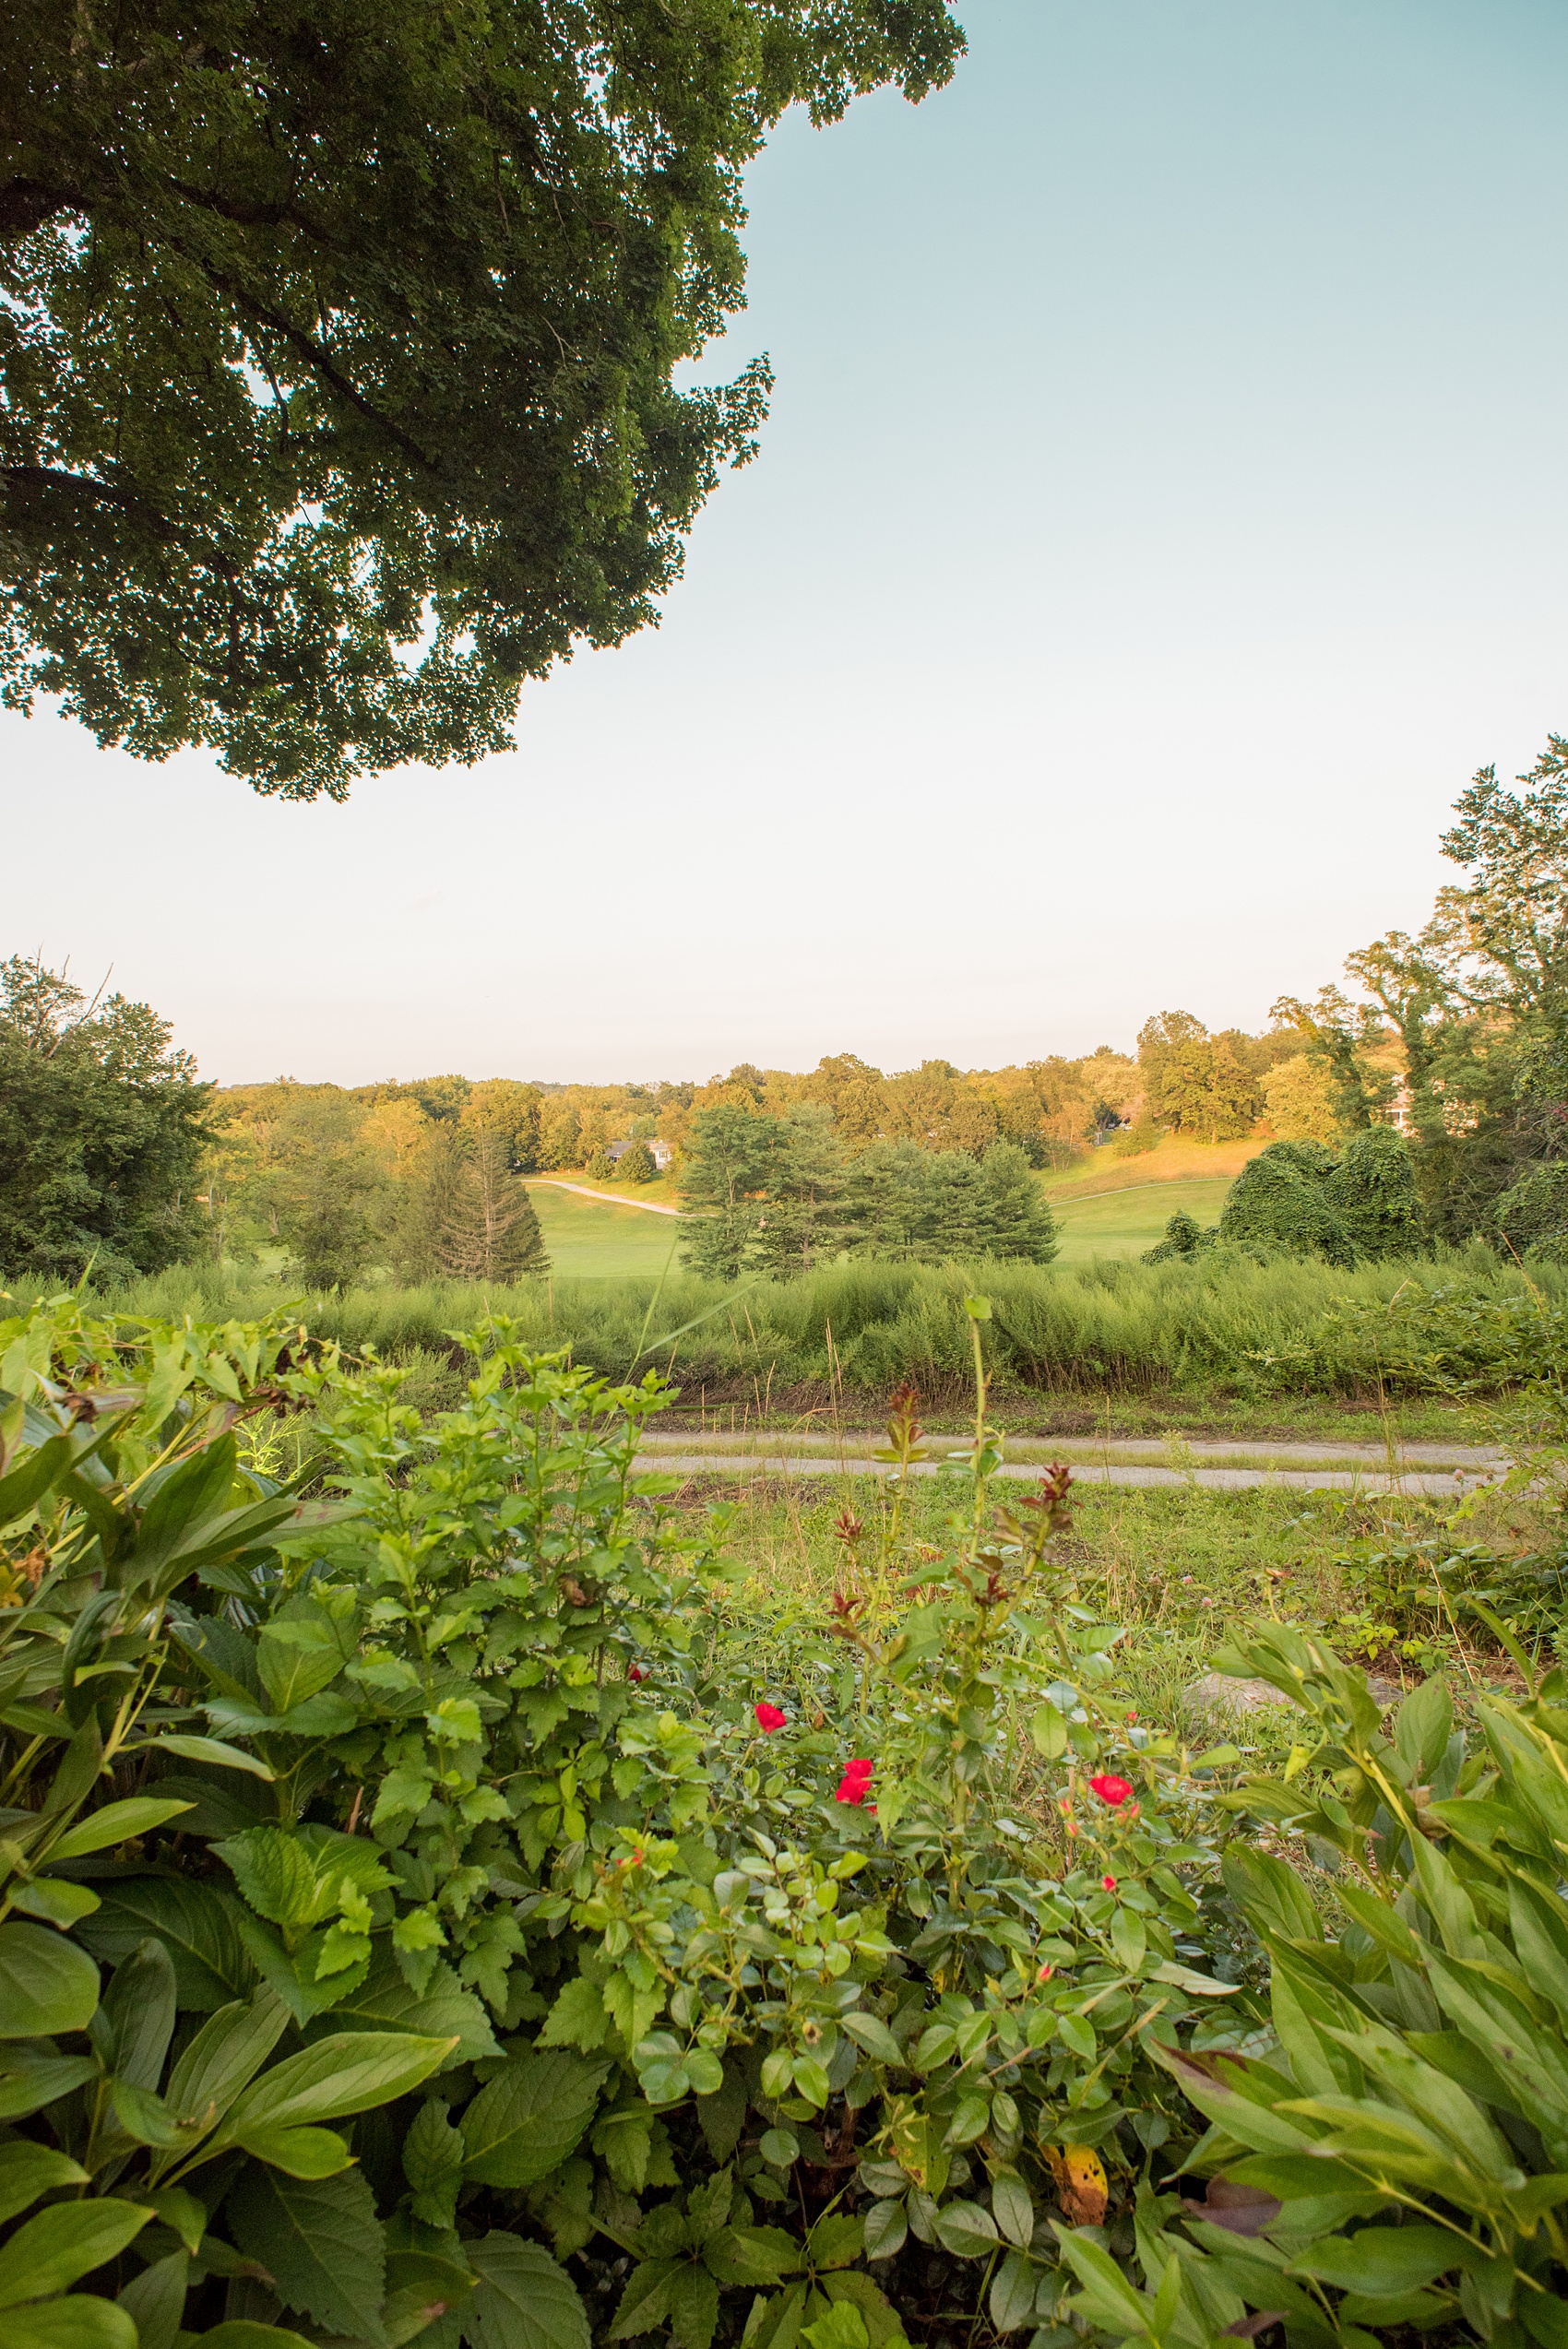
25, 205
24, 478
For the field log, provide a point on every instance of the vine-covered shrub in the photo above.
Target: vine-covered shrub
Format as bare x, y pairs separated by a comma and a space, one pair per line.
454, 1808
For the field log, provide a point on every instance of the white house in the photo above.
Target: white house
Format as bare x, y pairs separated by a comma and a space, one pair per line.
661, 1153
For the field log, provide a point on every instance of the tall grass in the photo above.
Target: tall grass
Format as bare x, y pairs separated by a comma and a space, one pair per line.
1262, 1328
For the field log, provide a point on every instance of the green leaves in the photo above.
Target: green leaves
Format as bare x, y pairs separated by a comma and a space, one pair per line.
47, 1984
347, 2074
117, 1822
320, 2240
526, 2120
523, 2300
48, 2253
28, 2170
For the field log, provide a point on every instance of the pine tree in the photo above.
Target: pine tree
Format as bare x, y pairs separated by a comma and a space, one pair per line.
600, 1168
489, 1230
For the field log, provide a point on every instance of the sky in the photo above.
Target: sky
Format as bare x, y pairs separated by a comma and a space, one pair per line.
1159, 521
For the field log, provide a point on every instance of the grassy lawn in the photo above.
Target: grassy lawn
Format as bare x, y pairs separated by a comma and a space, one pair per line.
1125, 1222
1173, 1161
586, 1241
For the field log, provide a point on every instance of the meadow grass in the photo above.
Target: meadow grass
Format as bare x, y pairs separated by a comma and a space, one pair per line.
1218, 1343
1125, 1221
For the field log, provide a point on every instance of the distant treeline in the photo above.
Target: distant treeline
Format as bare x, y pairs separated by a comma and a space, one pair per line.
114, 1153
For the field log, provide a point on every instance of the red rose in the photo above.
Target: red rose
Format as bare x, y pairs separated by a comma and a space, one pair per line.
769, 1718
1110, 1789
1109, 1882
636, 1672
855, 1785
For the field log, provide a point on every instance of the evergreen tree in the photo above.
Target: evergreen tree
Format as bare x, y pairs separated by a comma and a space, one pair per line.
1018, 1222
882, 1209
488, 1229
636, 1164
724, 1188
601, 1166
800, 1223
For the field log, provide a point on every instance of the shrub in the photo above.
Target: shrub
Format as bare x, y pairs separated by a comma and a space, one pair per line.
655, 2001
636, 1164
1360, 1206
1399, 2157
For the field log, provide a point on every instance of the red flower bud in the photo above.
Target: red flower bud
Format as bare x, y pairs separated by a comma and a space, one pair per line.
1109, 1882
636, 1672
769, 1718
1110, 1789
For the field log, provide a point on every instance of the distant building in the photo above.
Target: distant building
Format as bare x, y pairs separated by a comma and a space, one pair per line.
661, 1153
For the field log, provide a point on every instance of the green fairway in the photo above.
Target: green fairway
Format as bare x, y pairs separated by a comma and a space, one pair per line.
588, 1241
1123, 1223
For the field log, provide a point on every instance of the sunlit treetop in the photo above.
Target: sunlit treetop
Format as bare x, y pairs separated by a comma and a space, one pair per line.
336, 346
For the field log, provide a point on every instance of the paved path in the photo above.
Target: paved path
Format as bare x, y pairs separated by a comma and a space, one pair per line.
784, 1464
606, 1198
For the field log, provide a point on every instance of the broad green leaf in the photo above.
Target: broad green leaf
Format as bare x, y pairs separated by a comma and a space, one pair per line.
1383, 2262
842, 2328
23, 1488
347, 2073
693, 2307
645, 2303
54, 1901
117, 1822
225, 2055
194, 1921
432, 2164
577, 2019
320, 2240
383, 2001
887, 2229
146, 2116
29, 2080
49, 2252
184, 1496
79, 2322
967, 2230
296, 1877
47, 1984
523, 2300
209, 1750
135, 2021
244, 2332
1013, 2208
529, 2118
871, 2036
1106, 2298
156, 2301
1013, 2293
296, 1660
28, 2170
304, 2152
751, 2255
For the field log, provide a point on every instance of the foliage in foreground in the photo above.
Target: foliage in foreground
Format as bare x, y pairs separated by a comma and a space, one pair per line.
418, 1923
463, 1757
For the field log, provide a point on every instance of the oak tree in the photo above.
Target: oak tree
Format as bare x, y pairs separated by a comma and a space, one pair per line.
338, 346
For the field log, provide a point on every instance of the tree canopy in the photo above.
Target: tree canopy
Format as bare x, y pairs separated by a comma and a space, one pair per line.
102, 1131
337, 346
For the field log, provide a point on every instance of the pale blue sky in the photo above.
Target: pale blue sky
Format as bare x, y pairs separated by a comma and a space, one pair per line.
1159, 519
